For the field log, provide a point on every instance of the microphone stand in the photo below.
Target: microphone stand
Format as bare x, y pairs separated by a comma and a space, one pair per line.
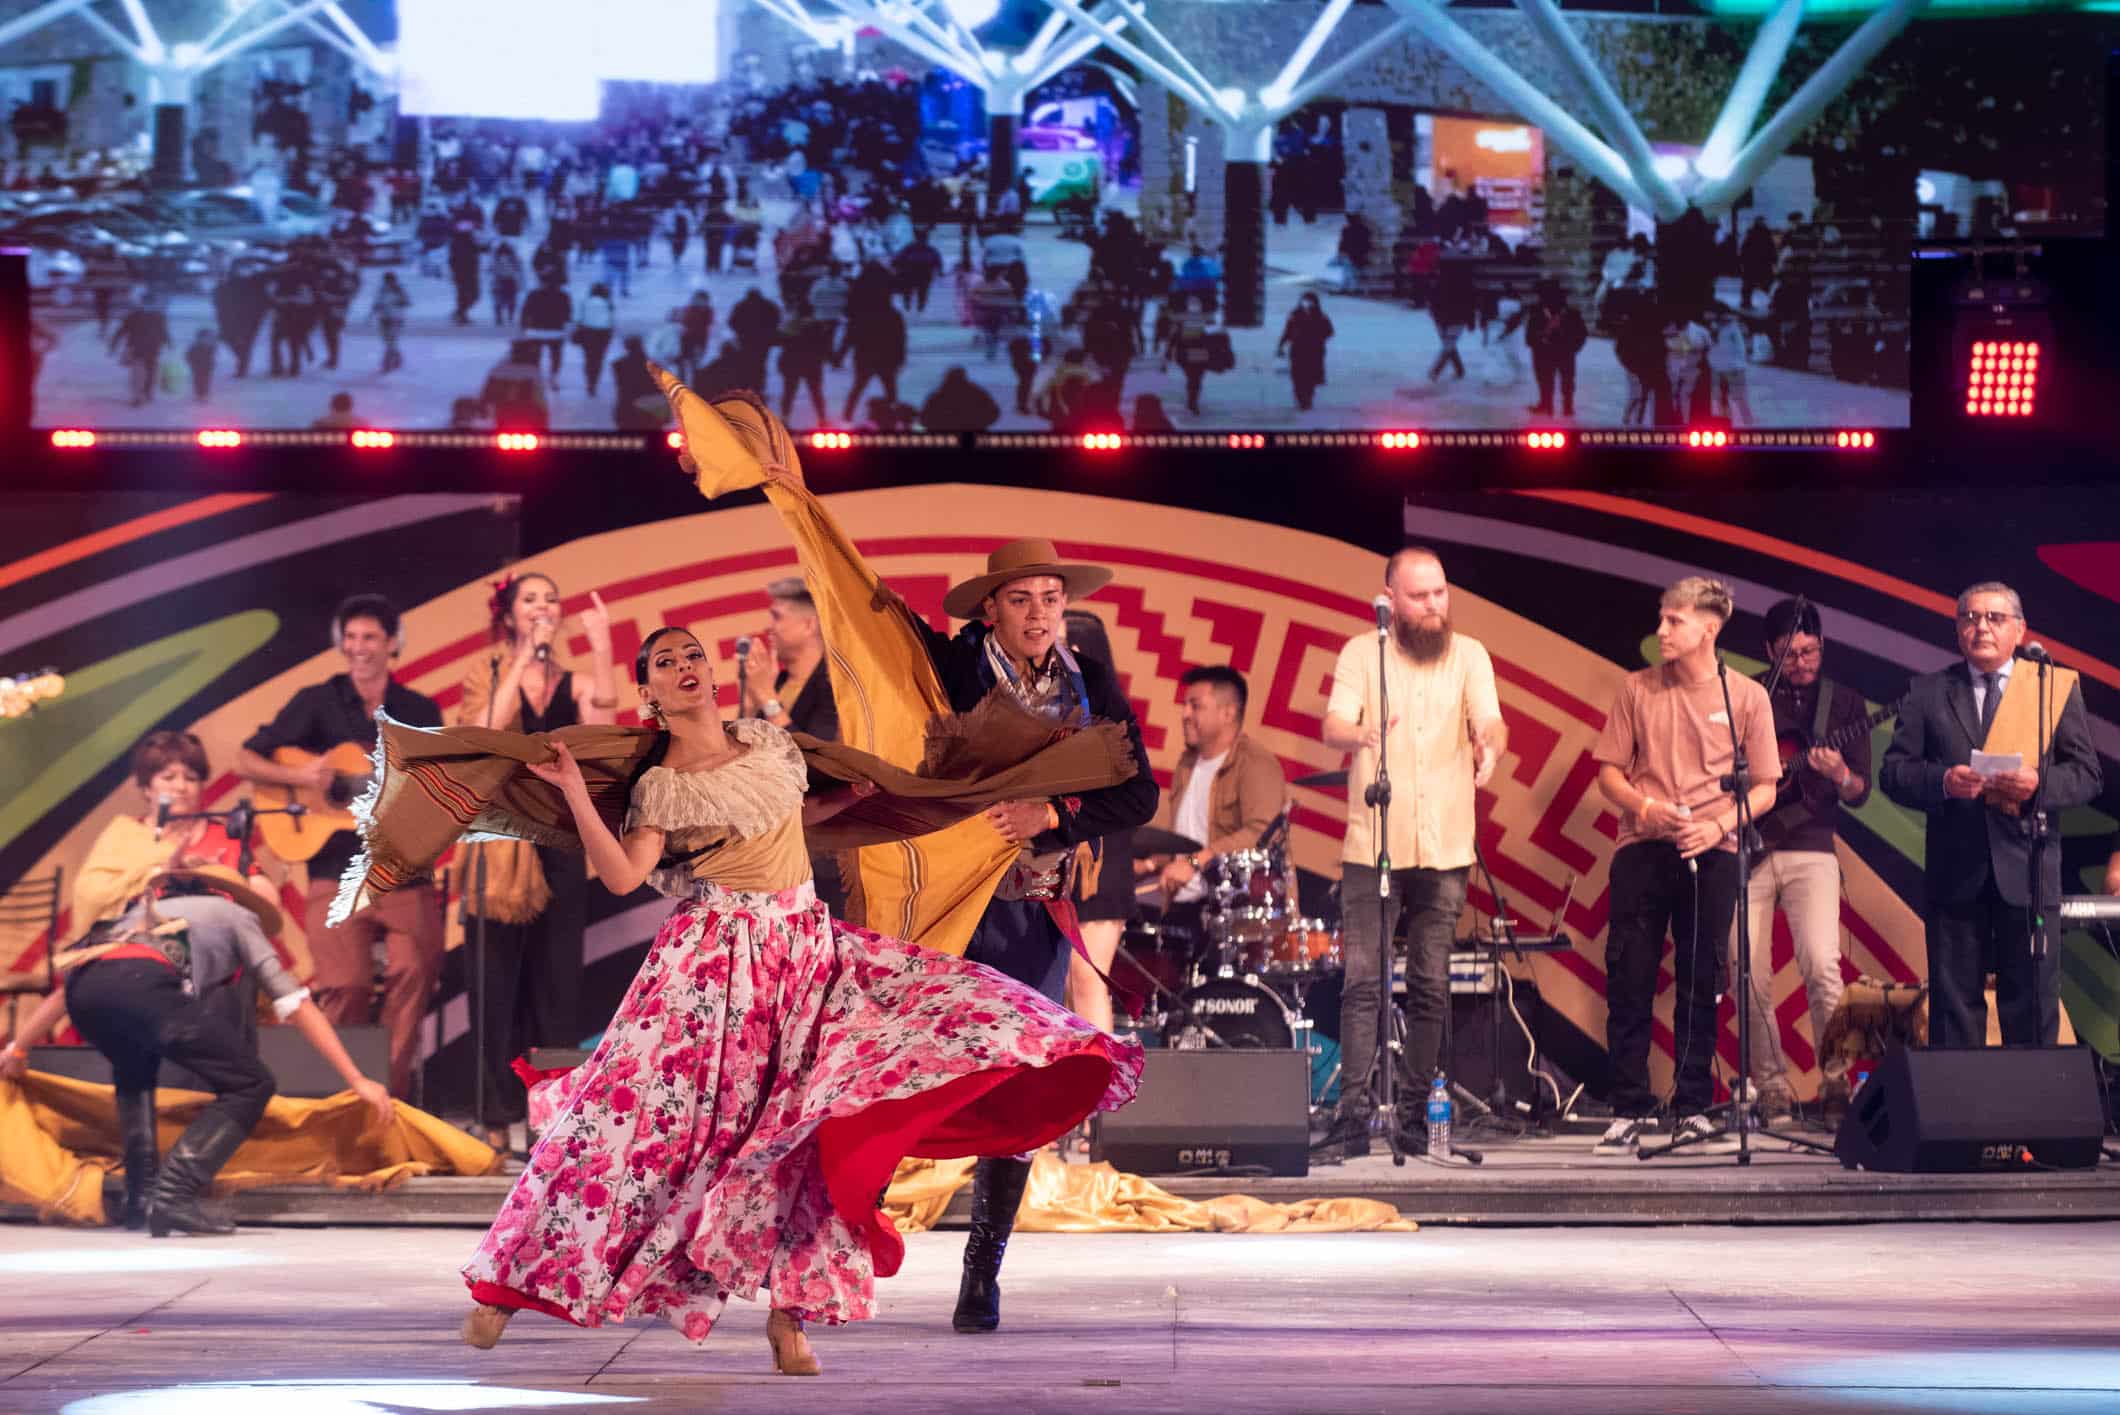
1739, 784
238, 821
478, 937
1378, 798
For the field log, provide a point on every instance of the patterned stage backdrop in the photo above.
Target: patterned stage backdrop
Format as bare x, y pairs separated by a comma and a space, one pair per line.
1561, 588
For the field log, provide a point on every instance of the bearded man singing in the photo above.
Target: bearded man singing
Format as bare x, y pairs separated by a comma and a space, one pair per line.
1444, 737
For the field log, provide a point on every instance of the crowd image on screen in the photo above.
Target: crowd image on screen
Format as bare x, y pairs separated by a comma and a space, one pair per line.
835, 242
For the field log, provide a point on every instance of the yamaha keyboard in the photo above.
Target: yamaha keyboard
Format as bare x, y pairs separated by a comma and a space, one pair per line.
2090, 909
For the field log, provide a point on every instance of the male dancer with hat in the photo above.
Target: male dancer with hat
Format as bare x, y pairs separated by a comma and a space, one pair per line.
176, 945
1014, 644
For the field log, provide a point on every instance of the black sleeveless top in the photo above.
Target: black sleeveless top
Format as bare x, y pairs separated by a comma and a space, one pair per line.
561, 713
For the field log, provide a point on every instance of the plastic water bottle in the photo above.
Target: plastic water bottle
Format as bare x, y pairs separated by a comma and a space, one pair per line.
1439, 1119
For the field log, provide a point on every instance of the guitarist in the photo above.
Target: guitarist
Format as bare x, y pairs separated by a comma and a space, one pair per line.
408, 920
1798, 871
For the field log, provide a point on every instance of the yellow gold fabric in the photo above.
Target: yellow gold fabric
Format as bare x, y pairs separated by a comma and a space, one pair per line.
125, 856
2016, 725
1095, 1198
930, 890
59, 1137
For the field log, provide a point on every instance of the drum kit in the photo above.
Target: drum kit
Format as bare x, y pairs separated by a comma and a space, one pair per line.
1243, 977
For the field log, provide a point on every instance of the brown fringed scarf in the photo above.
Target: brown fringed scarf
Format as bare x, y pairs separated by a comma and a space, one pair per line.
434, 785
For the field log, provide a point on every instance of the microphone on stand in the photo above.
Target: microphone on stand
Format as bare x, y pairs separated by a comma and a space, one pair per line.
2032, 652
1382, 605
161, 815
743, 649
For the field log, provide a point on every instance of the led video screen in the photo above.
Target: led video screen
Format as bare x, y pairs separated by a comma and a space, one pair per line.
500, 224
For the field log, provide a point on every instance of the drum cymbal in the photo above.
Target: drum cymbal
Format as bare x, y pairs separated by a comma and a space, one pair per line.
1321, 778
1150, 841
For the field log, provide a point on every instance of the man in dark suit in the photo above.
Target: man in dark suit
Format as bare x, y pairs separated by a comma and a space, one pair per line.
1980, 857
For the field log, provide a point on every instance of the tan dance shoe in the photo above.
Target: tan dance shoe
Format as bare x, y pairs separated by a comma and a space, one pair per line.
484, 1325
791, 1349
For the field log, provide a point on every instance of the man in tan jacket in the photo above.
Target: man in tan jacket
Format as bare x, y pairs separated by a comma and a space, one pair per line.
1227, 789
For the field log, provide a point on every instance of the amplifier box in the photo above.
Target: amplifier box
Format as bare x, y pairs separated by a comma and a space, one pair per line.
1221, 1109
296, 1068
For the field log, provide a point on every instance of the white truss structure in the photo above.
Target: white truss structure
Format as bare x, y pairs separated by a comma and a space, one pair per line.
1605, 139
942, 32
175, 66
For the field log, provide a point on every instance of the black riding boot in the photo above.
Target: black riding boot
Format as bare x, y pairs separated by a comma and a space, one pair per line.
997, 1192
136, 1133
188, 1168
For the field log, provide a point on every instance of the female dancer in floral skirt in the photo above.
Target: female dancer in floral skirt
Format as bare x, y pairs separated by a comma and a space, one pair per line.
736, 1127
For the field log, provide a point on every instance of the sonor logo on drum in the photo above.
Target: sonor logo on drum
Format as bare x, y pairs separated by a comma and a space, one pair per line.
1227, 1006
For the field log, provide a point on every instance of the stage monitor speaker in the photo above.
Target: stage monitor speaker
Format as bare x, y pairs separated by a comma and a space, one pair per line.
1220, 1109
296, 1068
1954, 1110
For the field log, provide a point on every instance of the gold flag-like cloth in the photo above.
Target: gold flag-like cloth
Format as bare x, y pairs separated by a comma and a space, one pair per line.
929, 890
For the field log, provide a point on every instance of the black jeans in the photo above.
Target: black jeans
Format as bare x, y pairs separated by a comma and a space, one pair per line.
136, 1012
1981, 936
1653, 893
1434, 898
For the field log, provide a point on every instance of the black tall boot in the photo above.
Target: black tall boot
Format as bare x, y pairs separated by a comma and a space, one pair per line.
997, 1192
190, 1165
136, 1133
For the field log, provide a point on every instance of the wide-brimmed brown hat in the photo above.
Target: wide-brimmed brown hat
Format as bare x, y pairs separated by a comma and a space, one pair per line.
1019, 560
220, 879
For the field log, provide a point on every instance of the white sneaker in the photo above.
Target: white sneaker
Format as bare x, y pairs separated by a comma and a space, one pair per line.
1702, 1135
1622, 1138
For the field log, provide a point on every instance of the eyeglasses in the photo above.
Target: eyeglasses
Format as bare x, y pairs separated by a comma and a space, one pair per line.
1809, 655
1993, 618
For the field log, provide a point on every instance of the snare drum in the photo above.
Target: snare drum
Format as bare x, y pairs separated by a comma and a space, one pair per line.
1237, 1012
1304, 946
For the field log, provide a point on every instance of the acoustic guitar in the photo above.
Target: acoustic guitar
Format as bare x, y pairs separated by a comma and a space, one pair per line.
326, 812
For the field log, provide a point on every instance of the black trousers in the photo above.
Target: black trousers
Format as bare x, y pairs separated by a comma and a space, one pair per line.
136, 1012
1018, 938
1653, 893
1981, 936
1549, 367
533, 984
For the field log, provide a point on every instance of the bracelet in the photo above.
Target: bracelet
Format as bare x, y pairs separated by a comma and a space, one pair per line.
605, 703
771, 708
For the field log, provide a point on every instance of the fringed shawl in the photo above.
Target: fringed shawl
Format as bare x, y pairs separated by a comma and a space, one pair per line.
436, 785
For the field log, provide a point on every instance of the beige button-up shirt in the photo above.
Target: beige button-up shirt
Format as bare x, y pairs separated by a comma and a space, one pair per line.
1429, 745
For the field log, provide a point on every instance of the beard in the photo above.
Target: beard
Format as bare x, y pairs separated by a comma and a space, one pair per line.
1422, 645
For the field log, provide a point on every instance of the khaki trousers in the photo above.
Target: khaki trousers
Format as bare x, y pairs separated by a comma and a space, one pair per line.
1805, 885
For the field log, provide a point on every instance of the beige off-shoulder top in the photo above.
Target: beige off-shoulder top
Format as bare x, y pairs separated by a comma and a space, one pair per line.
738, 825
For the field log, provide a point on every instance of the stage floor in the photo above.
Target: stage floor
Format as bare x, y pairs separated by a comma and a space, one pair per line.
1544, 1181
1961, 1317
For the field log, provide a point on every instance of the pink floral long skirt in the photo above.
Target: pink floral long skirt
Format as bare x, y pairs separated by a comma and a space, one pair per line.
736, 1128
